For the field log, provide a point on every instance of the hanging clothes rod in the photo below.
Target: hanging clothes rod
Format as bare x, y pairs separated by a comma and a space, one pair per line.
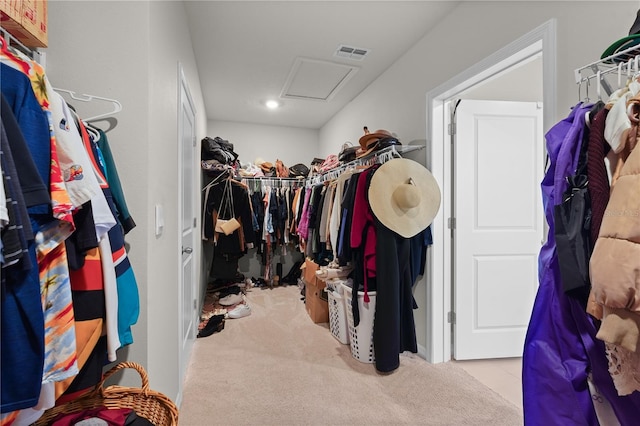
117, 106
376, 157
259, 183
623, 62
265, 178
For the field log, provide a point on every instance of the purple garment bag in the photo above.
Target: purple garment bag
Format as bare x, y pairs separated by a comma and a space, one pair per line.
560, 347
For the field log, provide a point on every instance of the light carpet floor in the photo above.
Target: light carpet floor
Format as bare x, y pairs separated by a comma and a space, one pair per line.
276, 367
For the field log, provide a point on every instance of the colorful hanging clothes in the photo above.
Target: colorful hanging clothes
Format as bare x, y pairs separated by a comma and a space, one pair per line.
111, 173
22, 341
562, 358
61, 205
23, 89
128, 301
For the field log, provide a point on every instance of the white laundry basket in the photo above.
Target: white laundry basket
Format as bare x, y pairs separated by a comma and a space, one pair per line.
361, 337
338, 317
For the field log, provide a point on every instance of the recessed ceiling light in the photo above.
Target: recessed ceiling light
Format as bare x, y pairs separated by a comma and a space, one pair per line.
272, 104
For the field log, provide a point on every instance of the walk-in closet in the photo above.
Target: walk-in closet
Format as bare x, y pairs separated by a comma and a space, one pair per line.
309, 212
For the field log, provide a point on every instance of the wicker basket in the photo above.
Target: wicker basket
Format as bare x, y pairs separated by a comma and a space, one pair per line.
152, 405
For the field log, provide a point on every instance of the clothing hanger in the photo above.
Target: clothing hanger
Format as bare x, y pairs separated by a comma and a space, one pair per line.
586, 98
93, 132
580, 90
620, 76
217, 180
632, 111
4, 46
117, 106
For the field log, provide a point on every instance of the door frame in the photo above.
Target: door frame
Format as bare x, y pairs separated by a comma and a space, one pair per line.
439, 156
184, 98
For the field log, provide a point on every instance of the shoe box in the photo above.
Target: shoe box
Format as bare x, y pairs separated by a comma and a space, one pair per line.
316, 301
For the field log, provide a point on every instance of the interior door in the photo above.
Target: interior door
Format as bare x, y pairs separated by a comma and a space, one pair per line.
499, 157
187, 294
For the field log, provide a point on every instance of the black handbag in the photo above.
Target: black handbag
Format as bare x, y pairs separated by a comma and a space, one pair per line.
298, 170
348, 152
572, 220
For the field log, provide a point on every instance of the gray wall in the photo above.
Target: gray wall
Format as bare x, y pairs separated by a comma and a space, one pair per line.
510, 86
83, 59
290, 144
169, 44
396, 101
474, 30
130, 51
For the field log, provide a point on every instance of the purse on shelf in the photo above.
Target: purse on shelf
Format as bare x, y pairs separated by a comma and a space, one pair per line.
348, 152
298, 170
226, 223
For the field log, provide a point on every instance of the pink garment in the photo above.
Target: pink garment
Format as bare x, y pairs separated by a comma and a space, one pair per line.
329, 163
303, 226
363, 219
112, 417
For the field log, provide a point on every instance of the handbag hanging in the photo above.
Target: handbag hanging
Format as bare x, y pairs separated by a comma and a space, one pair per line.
226, 222
572, 219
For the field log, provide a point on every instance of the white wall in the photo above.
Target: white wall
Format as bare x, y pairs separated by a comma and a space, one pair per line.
129, 51
90, 59
169, 44
290, 144
509, 85
396, 101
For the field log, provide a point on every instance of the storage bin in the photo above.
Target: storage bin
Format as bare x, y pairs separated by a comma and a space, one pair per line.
338, 317
361, 337
336, 284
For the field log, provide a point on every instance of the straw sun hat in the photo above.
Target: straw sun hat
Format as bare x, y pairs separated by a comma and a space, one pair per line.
404, 196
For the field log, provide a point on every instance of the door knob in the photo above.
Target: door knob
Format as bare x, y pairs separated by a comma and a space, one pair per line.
187, 250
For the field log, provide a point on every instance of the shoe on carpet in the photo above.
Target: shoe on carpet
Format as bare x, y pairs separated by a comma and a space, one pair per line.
239, 311
215, 324
230, 299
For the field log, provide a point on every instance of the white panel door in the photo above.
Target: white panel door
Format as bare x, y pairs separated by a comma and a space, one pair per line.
499, 157
187, 293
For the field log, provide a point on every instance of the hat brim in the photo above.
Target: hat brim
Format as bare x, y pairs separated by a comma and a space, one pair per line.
378, 145
364, 152
621, 45
386, 180
369, 138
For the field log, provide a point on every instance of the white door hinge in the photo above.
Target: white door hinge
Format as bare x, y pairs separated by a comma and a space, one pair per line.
451, 317
451, 129
451, 223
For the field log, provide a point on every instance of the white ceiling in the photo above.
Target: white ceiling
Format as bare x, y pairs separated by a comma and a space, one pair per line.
246, 51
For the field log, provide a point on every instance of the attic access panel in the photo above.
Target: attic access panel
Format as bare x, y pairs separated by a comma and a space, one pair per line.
317, 80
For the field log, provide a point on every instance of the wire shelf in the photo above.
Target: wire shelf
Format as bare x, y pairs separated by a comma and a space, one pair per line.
614, 70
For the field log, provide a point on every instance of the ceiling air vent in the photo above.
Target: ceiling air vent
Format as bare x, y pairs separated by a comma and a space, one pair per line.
350, 52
